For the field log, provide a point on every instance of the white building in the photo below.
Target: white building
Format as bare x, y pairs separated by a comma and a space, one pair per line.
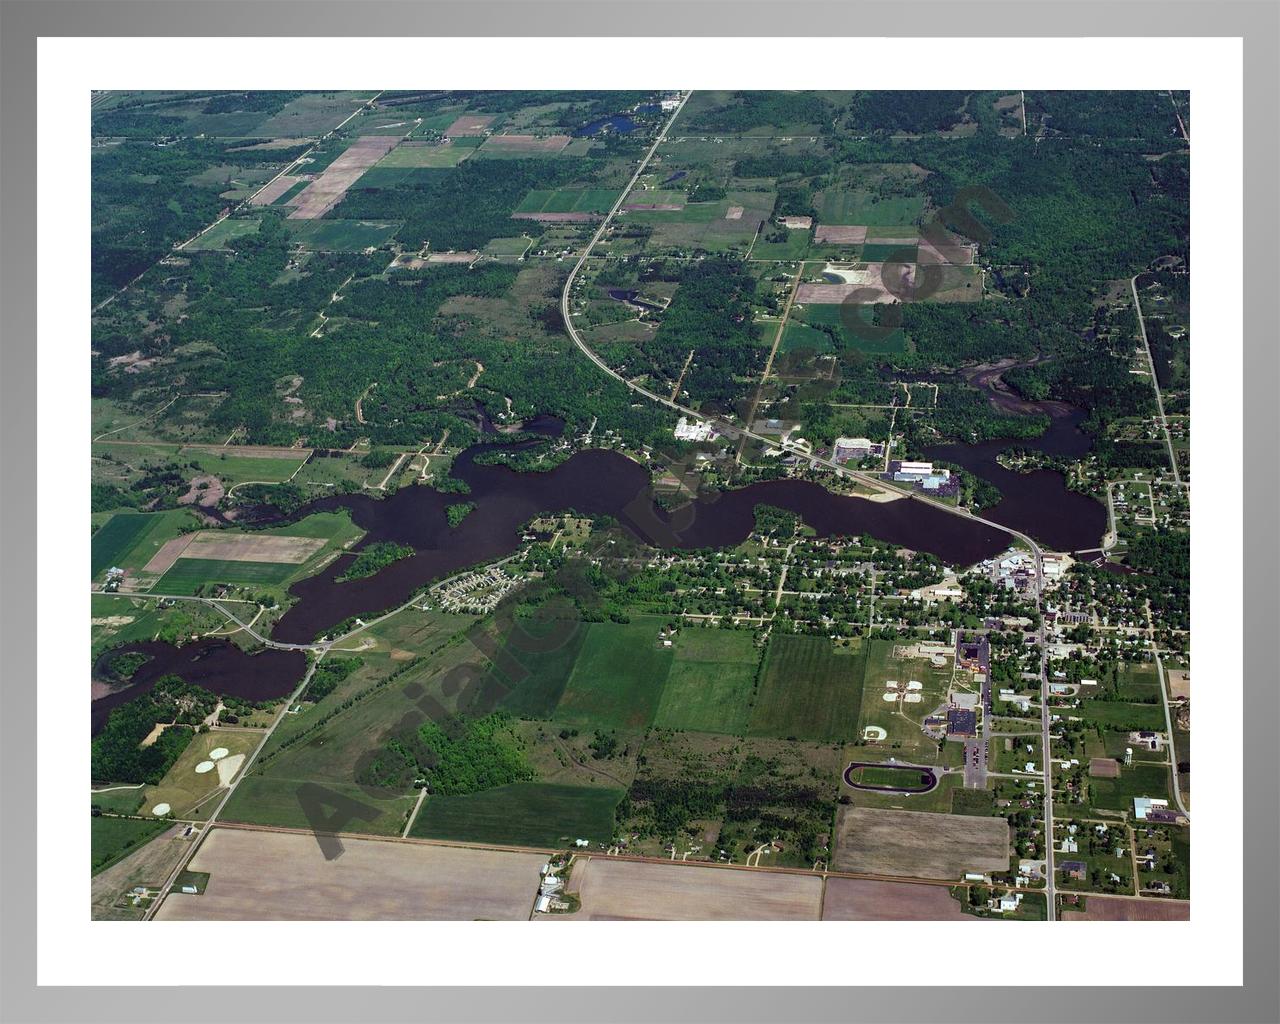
699, 430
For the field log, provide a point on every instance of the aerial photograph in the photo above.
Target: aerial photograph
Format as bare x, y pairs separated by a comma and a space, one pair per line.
648, 505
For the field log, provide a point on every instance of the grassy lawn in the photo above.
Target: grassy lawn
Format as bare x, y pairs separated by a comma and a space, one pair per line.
902, 721
710, 685
111, 839
1114, 714
524, 814
618, 678
808, 690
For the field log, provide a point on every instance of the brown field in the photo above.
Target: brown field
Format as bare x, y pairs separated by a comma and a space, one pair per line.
273, 190
620, 890
279, 876
654, 206
558, 218
841, 234
867, 280
162, 561
452, 257
734, 213
247, 451
1179, 683
919, 844
957, 254
469, 124
226, 547
1129, 908
1104, 768
861, 899
148, 865
208, 497
323, 194
526, 143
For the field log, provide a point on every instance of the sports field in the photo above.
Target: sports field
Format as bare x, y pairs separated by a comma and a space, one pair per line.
710, 684
809, 689
618, 677
523, 814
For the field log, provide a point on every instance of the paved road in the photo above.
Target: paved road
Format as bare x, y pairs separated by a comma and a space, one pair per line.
1155, 383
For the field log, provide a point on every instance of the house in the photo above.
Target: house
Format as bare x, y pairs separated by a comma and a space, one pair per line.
1074, 869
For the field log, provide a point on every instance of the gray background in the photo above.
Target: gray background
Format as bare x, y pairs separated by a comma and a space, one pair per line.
1258, 22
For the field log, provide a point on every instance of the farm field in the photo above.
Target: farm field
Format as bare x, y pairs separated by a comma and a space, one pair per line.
1129, 908
113, 839
129, 540
522, 814
188, 575
226, 230
862, 899
146, 864
870, 340
618, 890
618, 677
275, 876
1135, 780
342, 235
919, 844
710, 684
568, 200
809, 689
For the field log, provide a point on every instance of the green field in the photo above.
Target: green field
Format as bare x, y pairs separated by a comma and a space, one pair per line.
129, 539
523, 814
272, 800
1114, 714
341, 235
710, 685
872, 253
188, 574
568, 200
801, 336
112, 839
808, 690
1135, 780
535, 677
618, 678
839, 206
822, 315
223, 232
418, 155
902, 721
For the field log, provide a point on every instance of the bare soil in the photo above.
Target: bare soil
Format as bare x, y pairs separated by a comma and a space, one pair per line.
919, 844
860, 899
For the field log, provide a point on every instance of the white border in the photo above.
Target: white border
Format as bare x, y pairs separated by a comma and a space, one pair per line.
71, 948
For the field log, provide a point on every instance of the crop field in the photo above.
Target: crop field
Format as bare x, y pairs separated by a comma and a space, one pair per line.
342, 235
710, 684
568, 200
189, 574
619, 890
809, 689
522, 814
420, 154
130, 539
919, 844
276, 876
323, 194
312, 114
112, 839
862, 899
618, 677
143, 864
1129, 908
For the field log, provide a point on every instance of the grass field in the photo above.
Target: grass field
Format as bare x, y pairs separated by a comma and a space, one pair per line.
808, 690
799, 335
409, 154
223, 232
341, 235
127, 800
618, 678
867, 341
271, 800
188, 574
710, 685
183, 788
536, 678
524, 814
838, 206
568, 200
1121, 715
1135, 780
901, 721
111, 839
